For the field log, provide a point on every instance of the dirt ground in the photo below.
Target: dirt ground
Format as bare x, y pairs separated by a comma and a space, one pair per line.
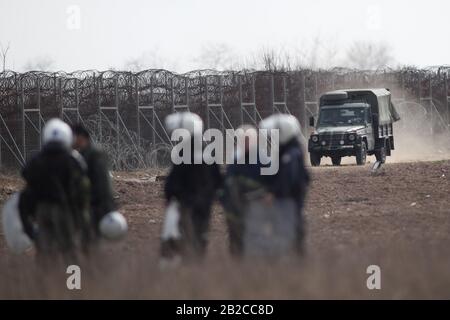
398, 220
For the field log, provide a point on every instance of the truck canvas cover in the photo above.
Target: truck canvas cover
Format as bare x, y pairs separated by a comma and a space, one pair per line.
379, 100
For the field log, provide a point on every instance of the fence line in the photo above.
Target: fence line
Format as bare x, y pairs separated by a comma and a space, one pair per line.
124, 109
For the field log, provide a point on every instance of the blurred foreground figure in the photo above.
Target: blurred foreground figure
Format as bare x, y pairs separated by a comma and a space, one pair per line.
274, 224
243, 183
106, 221
190, 189
54, 205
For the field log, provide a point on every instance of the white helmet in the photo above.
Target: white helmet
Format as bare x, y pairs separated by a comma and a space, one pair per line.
15, 236
184, 120
287, 124
56, 130
113, 226
194, 125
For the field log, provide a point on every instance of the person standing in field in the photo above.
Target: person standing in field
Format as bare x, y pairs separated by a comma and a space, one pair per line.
190, 189
102, 199
242, 182
288, 187
54, 205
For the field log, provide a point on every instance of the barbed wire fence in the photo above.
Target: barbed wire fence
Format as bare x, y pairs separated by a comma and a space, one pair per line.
124, 111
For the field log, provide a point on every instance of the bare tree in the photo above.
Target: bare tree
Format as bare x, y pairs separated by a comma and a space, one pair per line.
149, 60
219, 56
3, 54
271, 59
309, 53
368, 56
41, 63
322, 52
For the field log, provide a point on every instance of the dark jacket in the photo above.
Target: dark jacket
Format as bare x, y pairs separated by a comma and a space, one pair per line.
247, 170
240, 179
193, 185
102, 199
292, 178
55, 178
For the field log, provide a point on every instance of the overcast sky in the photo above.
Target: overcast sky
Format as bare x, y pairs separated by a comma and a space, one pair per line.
98, 34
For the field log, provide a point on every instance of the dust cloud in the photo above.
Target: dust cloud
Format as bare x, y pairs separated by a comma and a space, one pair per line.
421, 135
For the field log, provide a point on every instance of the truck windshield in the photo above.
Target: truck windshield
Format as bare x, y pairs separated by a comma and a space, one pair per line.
342, 116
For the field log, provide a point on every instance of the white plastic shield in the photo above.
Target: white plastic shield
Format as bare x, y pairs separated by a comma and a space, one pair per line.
270, 230
171, 226
16, 239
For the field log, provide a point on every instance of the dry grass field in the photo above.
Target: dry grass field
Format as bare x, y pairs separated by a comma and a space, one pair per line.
398, 220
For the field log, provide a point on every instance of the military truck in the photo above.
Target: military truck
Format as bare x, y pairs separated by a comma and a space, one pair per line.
353, 123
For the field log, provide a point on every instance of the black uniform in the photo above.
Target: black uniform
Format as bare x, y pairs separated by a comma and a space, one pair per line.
291, 182
194, 186
54, 206
102, 201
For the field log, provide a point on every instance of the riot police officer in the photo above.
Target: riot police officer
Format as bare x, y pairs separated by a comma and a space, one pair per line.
190, 189
54, 205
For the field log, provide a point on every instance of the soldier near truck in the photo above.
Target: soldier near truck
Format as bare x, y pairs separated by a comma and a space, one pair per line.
353, 122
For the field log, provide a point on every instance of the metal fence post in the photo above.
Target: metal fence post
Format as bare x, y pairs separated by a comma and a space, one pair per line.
116, 105
172, 96
207, 102
240, 99
22, 109
77, 100
138, 122
39, 112
447, 98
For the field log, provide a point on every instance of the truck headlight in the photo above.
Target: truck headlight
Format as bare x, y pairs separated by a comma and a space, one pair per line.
315, 139
352, 137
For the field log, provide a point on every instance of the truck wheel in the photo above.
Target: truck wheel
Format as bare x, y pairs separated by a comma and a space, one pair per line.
381, 155
315, 159
361, 154
336, 160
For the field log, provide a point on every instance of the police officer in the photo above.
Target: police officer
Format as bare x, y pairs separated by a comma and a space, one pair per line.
54, 205
292, 179
102, 199
243, 181
189, 189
